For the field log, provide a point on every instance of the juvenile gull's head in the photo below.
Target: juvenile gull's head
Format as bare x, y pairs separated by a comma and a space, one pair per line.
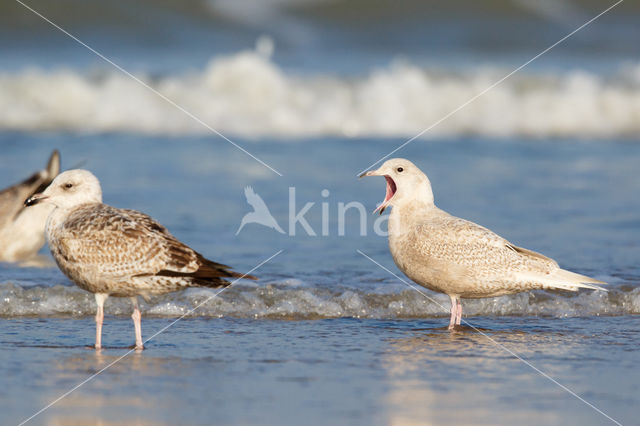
405, 183
70, 189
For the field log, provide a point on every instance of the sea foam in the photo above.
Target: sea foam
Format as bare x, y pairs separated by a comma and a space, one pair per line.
247, 94
281, 301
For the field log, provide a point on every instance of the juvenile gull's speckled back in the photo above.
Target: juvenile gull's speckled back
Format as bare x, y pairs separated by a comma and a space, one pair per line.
123, 252
455, 256
117, 252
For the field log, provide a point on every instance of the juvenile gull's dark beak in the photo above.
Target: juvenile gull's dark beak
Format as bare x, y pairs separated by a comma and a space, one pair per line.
34, 199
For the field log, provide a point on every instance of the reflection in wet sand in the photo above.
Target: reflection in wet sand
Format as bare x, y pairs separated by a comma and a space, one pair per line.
102, 401
348, 371
92, 418
439, 377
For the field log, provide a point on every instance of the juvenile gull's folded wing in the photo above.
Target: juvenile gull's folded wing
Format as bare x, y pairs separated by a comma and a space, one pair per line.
130, 244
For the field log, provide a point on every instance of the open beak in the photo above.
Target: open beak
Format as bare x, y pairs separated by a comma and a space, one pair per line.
391, 189
35, 199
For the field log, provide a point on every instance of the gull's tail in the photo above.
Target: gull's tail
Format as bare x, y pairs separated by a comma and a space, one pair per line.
564, 280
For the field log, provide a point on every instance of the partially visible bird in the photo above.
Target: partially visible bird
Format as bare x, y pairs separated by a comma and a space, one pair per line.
260, 214
117, 252
454, 256
21, 229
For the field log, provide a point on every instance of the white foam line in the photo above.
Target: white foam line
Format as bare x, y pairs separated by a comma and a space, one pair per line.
162, 330
492, 86
127, 73
501, 346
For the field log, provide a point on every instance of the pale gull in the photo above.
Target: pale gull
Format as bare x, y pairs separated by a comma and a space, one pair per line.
116, 252
22, 229
454, 256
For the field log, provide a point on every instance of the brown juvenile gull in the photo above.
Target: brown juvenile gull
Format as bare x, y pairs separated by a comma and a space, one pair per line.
22, 229
117, 252
454, 256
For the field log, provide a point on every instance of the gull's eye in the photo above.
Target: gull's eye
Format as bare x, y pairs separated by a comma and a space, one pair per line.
68, 185
399, 169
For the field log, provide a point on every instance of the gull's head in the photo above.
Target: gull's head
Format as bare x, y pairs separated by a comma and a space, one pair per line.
405, 183
70, 189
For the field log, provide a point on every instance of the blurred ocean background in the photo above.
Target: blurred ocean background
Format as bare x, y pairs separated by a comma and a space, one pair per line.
319, 90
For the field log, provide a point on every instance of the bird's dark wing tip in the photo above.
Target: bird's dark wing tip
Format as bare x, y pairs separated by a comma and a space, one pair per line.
248, 277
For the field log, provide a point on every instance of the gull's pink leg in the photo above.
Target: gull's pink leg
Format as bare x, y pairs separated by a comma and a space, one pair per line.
137, 316
454, 306
459, 312
100, 299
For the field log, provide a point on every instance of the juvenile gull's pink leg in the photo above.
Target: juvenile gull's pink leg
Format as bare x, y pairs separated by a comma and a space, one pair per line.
454, 306
137, 316
459, 312
100, 299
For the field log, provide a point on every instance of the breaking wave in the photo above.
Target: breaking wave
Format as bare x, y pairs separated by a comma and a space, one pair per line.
295, 301
248, 95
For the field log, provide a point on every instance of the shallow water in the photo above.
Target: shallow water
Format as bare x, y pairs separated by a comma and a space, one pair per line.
319, 91
326, 336
241, 371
